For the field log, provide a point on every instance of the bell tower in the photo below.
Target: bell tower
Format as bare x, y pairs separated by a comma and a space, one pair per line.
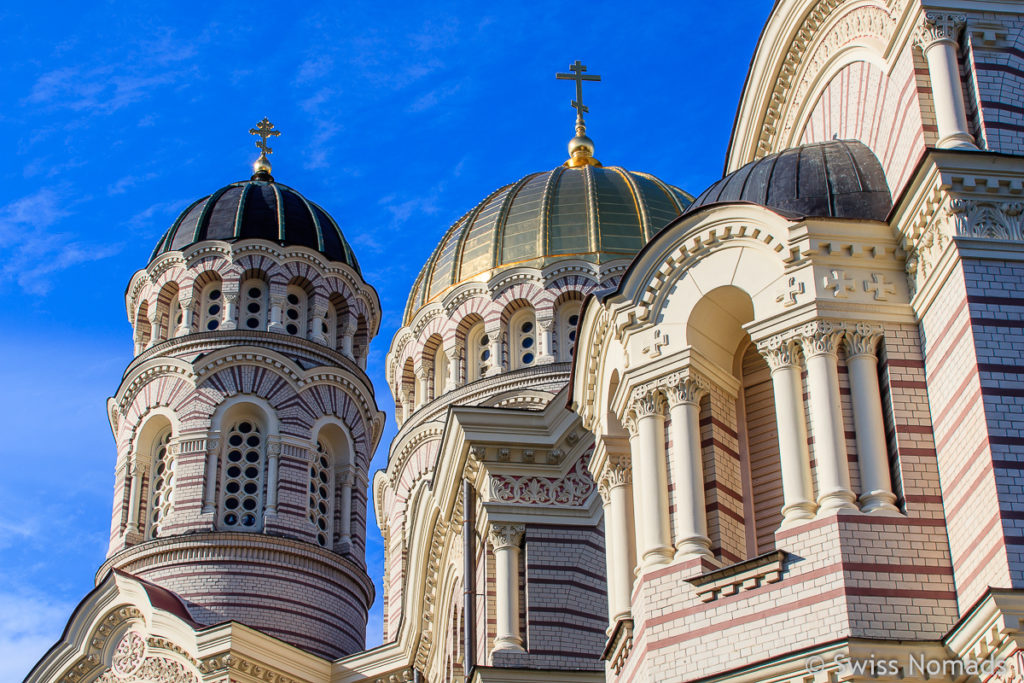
246, 422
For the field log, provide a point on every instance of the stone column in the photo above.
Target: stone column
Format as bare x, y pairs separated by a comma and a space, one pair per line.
273, 460
187, 311
227, 321
832, 467
422, 386
615, 493
155, 329
345, 515
782, 356
348, 335
937, 37
494, 363
544, 340
650, 479
316, 332
277, 302
137, 472
505, 539
872, 453
210, 485
688, 468
452, 354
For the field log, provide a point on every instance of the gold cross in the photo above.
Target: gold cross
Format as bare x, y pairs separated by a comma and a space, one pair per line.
578, 70
265, 129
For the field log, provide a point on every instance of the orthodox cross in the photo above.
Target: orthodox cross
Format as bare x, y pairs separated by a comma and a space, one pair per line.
578, 75
265, 129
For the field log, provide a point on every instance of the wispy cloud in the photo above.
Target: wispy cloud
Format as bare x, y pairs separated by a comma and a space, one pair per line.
126, 183
30, 624
34, 250
100, 90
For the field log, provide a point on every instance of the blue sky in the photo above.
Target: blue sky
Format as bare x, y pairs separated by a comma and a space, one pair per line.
396, 117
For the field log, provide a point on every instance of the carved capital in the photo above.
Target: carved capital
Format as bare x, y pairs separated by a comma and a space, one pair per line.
685, 389
618, 472
937, 27
545, 324
506, 535
645, 402
780, 351
821, 337
862, 340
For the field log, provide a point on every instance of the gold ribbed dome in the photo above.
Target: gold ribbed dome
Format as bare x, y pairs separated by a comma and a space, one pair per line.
591, 213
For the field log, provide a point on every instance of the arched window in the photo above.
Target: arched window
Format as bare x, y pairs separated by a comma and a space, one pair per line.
253, 310
174, 317
321, 494
212, 301
161, 485
295, 313
241, 507
478, 352
436, 365
522, 339
568, 318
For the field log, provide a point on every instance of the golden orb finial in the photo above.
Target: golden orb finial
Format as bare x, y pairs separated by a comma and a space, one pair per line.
581, 147
261, 167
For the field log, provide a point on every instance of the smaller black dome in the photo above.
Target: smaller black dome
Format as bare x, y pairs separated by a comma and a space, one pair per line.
258, 209
839, 179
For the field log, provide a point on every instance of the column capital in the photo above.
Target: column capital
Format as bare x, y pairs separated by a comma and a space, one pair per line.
504, 536
780, 351
645, 401
862, 340
683, 388
821, 337
618, 472
938, 27
545, 324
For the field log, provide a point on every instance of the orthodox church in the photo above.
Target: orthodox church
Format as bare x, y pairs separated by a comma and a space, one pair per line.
772, 432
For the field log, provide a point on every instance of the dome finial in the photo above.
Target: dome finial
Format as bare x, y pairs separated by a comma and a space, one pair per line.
581, 147
261, 167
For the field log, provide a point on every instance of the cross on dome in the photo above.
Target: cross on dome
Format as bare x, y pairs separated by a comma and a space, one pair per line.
581, 147
261, 167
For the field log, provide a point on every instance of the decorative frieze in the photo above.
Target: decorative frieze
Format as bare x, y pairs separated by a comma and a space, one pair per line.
995, 220
573, 489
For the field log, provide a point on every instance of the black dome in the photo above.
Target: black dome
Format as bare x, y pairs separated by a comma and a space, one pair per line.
839, 178
258, 209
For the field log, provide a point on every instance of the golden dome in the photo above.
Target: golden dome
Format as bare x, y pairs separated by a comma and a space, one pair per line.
588, 213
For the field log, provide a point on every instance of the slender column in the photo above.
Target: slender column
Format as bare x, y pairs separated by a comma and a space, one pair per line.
345, 532
348, 335
872, 454
230, 307
494, 363
276, 313
782, 356
615, 488
140, 345
137, 472
155, 329
210, 485
452, 354
937, 36
316, 332
187, 311
820, 339
688, 468
408, 407
544, 341
273, 459
422, 386
505, 539
650, 477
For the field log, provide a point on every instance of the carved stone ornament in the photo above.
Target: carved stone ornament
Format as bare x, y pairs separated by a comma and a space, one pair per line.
506, 535
995, 220
152, 670
572, 489
780, 351
862, 340
821, 337
788, 292
685, 389
645, 402
936, 27
838, 283
128, 654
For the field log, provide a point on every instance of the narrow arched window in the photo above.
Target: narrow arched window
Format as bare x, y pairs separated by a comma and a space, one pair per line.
253, 310
295, 311
522, 339
212, 303
321, 498
568, 318
161, 485
241, 506
174, 316
478, 352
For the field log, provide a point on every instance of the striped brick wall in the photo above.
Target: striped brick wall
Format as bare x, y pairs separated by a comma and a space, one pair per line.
994, 81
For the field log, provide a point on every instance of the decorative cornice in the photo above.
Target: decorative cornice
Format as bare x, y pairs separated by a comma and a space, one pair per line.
573, 489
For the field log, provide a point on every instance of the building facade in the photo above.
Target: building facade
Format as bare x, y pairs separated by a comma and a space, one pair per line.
770, 433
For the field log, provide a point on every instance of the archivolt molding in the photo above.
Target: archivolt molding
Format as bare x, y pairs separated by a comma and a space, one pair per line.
769, 118
99, 641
